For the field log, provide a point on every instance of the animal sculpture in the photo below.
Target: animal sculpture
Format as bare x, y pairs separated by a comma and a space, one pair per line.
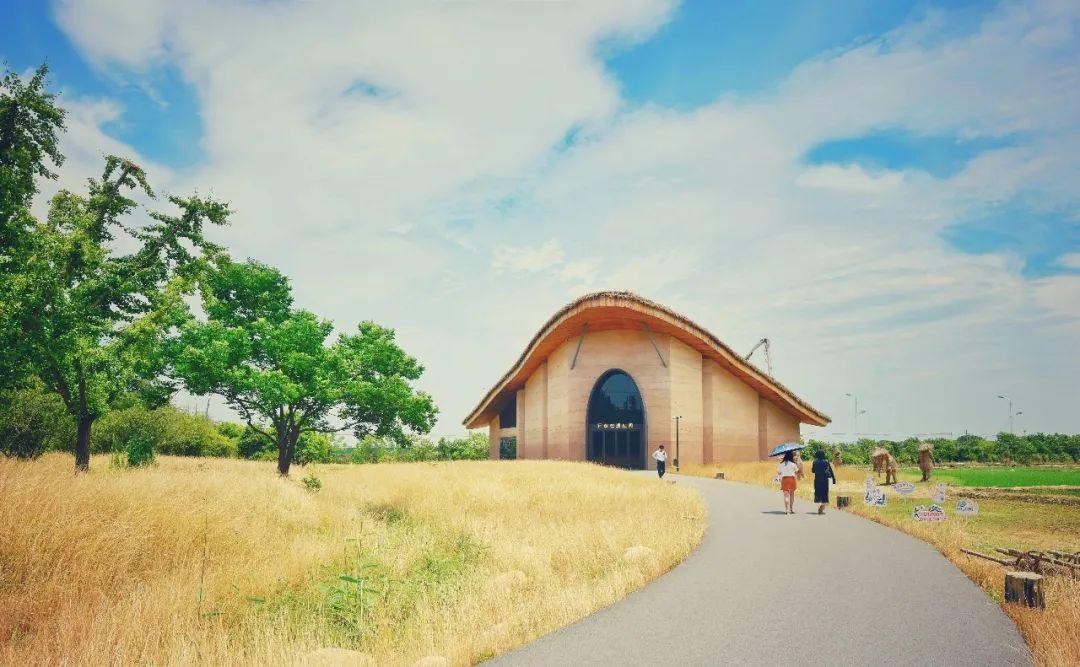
884, 462
926, 460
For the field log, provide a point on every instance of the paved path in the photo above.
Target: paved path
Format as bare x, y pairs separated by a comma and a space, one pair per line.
765, 588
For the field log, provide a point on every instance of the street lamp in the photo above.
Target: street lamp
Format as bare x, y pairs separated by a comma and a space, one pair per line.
677, 442
1006, 398
856, 412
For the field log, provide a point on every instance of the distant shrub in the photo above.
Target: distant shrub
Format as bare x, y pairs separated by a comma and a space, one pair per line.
140, 452
253, 445
315, 448
231, 430
311, 482
373, 449
1004, 448
473, 446
33, 421
167, 429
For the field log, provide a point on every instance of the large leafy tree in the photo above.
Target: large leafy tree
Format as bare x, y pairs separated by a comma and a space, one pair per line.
30, 122
93, 321
275, 366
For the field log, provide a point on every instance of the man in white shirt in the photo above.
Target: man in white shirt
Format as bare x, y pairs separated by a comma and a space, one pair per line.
661, 460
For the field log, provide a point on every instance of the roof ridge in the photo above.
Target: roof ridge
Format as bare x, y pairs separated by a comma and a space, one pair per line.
640, 300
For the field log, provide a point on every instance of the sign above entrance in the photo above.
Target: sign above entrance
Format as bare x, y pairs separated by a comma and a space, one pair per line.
617, 426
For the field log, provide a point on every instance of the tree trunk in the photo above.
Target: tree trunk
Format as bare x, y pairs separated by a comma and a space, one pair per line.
82, 443
284, 456
1024, 588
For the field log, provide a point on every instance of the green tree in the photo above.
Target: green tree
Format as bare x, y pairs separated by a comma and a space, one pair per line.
30, 121
95, 320
273, 364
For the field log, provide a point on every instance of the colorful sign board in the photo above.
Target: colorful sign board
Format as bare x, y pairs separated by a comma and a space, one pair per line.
967, 507
875, 497
931, 513
904, 488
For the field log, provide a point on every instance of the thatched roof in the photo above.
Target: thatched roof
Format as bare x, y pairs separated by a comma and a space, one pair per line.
661, 319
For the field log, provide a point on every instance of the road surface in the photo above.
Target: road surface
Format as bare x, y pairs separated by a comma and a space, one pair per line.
767, 588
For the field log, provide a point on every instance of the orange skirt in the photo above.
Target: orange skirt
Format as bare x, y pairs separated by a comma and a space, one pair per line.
787, 484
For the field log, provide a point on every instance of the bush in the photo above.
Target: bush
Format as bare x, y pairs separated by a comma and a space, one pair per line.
373, 449
33, 421
473, 447
369, 450
315, 448
140, 452
253, 445
1005, 447
311, 483
231, 430
168, 430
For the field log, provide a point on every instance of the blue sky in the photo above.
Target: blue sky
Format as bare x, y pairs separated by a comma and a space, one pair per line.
710, 49
160, 113
847, 170
707, 50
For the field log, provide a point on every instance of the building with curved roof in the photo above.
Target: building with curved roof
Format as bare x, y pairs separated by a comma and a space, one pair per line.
613, 375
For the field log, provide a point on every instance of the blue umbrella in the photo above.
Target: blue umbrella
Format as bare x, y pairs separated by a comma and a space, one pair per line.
786, 447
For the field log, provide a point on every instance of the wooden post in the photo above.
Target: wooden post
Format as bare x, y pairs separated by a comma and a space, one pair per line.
1025, 588
843, 501
719, 475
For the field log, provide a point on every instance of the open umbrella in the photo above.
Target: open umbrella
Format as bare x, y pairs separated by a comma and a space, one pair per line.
786, 447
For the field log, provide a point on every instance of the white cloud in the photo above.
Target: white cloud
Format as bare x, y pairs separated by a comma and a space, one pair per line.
527, 260
1070, 261
442, 206
1060, 294
851, 178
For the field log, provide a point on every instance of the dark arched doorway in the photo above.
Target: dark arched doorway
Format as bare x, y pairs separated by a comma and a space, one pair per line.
616, 422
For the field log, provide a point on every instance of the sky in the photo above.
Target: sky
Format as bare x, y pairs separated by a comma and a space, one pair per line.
888, 190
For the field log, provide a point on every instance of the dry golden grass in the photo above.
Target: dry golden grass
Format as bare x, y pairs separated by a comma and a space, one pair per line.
1052, 634
221, 562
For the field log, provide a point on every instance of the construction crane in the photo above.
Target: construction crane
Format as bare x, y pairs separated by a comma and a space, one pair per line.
764, 342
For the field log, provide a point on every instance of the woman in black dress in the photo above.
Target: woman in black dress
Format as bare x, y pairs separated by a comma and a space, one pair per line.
823, 472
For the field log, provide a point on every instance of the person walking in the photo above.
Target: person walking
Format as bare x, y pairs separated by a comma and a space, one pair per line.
823, 472
787, 471
661, 460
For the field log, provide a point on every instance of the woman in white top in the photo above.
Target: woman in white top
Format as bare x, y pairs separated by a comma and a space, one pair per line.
787, 472
661, 461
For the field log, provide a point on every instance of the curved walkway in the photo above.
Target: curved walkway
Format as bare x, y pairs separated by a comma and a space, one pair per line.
765, 588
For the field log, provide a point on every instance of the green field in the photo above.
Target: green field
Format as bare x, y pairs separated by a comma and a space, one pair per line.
1004, 477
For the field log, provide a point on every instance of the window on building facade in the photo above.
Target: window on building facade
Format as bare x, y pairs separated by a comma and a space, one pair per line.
508, 414
507, 448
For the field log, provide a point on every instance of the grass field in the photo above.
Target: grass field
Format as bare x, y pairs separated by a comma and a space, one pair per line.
221, 562
1006, 477
1051, 635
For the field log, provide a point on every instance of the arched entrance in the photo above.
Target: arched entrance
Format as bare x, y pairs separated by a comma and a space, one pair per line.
616, 422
